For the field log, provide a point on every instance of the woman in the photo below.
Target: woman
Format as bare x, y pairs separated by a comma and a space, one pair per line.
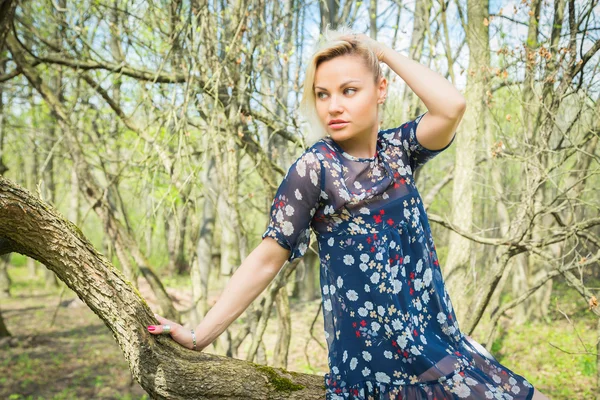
390, 327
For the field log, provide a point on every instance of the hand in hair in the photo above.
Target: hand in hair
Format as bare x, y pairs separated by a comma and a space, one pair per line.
378, 48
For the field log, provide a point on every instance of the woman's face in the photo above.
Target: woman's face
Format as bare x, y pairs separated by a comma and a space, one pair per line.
344, 90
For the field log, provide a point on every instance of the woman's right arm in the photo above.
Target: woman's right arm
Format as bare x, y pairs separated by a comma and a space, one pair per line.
252, 277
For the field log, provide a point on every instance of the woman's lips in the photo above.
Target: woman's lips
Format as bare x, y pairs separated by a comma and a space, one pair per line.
338, 125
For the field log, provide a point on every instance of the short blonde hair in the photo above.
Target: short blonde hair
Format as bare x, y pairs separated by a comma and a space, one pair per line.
329, 47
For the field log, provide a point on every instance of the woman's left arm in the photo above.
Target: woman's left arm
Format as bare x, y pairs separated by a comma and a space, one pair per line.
445, 104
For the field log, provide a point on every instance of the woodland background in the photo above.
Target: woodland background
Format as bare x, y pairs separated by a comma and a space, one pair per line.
161, 131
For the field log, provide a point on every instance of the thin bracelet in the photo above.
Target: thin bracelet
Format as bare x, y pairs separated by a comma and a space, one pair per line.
194, 339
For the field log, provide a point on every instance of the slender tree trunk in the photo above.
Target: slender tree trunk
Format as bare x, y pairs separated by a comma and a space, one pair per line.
457, 266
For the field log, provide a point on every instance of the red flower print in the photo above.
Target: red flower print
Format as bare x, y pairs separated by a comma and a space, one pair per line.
377, 218
390, 222
357, 333
381, 212
354, 324
412, 291
372, 249
363, 323
415, 332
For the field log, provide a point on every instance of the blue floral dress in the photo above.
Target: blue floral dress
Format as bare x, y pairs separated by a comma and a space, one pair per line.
390, 327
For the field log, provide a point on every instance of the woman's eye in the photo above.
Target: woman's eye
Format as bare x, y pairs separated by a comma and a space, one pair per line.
354, 90
319, 95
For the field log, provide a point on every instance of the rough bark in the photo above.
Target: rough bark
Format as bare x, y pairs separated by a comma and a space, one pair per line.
162, 367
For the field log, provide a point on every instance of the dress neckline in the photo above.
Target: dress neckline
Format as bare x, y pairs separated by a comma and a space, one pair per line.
354, 158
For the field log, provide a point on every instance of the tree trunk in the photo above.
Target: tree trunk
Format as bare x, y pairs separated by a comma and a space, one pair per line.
457, 266
162, 367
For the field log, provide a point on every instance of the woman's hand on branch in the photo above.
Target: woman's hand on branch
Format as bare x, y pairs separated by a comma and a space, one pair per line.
378, 48
181, 335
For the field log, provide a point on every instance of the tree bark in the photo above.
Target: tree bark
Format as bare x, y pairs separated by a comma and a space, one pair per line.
163, 368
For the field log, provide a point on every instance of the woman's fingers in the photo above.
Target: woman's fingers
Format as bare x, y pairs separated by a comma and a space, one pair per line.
160, 329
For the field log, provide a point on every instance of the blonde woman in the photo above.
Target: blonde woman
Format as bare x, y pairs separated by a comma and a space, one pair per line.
390, 327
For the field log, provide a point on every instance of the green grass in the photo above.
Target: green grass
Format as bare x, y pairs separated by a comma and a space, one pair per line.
77, 357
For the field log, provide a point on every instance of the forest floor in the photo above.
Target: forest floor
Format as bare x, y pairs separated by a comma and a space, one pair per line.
62, 350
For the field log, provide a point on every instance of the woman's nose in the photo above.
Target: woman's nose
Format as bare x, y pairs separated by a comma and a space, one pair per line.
335, 104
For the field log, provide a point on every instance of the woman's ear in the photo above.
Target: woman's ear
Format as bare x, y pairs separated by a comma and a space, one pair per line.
382, 89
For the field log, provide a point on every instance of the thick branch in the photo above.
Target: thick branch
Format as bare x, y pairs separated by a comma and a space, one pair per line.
162, 367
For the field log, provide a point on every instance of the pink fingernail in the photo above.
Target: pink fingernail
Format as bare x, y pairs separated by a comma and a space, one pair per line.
151, 328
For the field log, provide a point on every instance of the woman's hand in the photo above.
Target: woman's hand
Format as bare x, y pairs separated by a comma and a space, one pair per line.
181, 335
378, 48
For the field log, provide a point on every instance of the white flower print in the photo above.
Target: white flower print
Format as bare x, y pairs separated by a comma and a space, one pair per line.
302, 247
388, 354
367, 288
381, 310
418, 284
331, 242
379, 256
327, 305
298, 194
348, 259
368, 305
328, 210
345, 356
397, 324
441, 317
512, 381
331, 289
462, 390
515, 389
340, 281
425, 297
287, 228
397, 286
375, 278
423, 339
364, 257
470, 381
363, 267
419, 265
314, 178
402, 342
301, 168
335, 370
344, 194
366, 355
427, 277
382, 377
364, 210
353, 363
414, 350
362, 312
375, 326
496, 378
325, 289
366, 371
352, 295
289, 210
279, 216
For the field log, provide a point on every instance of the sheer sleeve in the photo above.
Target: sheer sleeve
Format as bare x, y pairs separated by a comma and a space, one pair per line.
295, 203
417, 154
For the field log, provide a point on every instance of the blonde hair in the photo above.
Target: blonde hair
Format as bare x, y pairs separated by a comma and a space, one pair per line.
329, 47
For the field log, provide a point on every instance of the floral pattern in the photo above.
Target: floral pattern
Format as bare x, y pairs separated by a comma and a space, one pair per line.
389, 323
